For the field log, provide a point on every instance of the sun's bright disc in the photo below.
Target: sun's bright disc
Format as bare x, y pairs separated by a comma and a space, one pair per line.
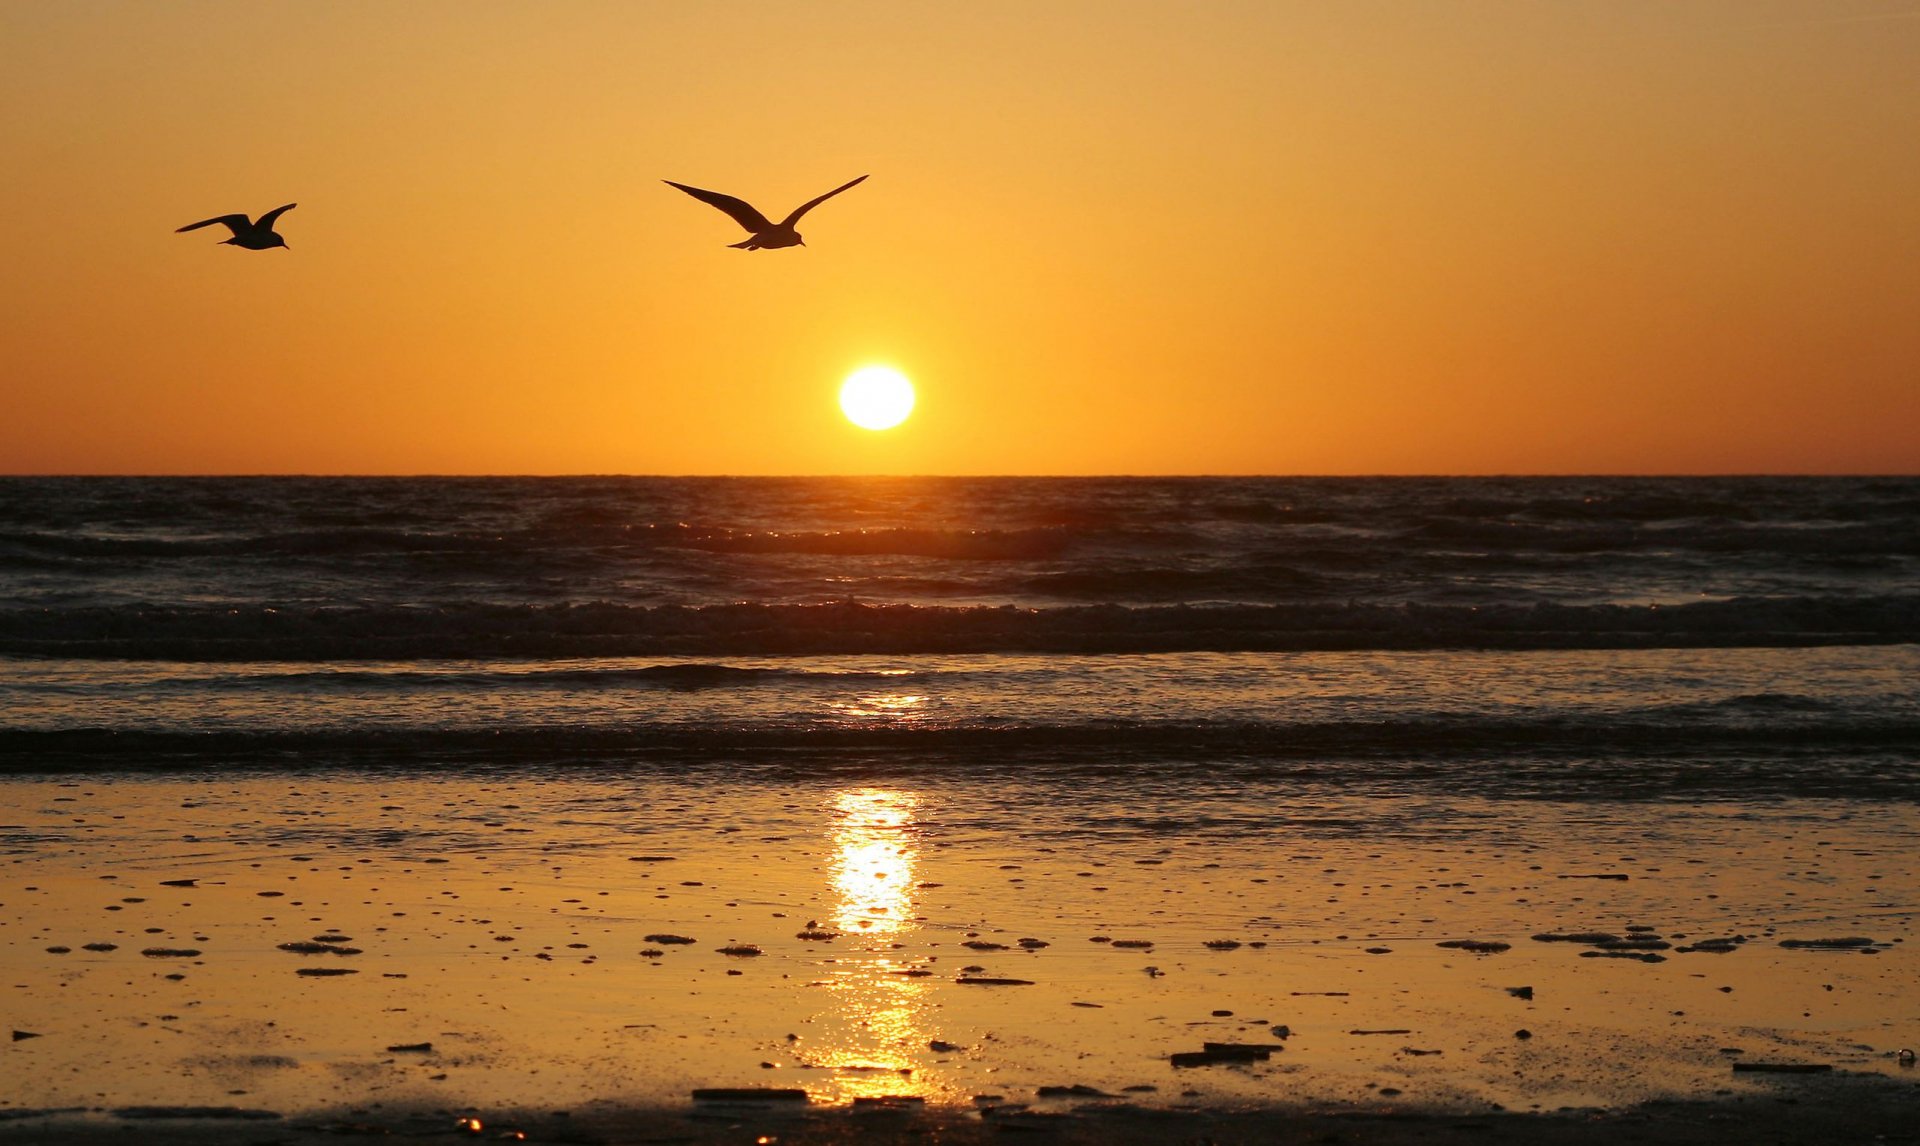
876, 397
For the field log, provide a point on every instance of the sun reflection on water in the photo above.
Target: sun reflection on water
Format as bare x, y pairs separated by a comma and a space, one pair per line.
883, 708
880, 1040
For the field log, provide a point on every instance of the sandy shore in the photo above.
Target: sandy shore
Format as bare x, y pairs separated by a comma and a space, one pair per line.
574, 955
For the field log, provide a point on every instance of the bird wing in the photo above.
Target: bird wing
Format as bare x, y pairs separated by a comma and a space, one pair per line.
266, 220
234, 223
812, 203
741, 211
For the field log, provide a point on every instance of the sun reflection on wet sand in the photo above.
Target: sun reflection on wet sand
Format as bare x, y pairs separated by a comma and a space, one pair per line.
881, 1040
874, 859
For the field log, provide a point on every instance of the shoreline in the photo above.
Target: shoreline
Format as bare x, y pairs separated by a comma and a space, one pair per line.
527, 942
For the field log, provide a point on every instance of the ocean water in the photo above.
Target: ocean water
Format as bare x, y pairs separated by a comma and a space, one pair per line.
1562, 636
1161, 761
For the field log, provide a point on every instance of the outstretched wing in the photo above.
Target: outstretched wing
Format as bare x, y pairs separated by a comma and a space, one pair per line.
812, 203
266, 220
741, 211
234, 223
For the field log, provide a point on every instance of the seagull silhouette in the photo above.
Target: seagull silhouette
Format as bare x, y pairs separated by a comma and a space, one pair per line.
254, 236
765, 234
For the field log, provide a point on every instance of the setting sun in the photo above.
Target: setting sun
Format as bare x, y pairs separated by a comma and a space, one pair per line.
876, 397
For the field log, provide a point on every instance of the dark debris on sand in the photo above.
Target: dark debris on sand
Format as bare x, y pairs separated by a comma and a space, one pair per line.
1824, 1107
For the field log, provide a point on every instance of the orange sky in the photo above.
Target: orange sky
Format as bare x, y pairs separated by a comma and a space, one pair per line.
1120, 236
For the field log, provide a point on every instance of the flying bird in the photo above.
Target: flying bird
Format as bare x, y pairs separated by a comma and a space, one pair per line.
257, 235
765, 234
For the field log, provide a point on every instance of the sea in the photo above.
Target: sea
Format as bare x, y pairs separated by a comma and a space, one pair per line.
328, 798
1553, 637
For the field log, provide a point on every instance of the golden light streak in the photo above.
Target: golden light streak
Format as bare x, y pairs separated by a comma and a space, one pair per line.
871, 875
874, 859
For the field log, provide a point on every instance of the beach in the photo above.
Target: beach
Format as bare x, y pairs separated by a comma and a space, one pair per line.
625, 810
344, 946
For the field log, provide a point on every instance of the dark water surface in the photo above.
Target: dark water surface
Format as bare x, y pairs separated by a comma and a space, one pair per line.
1757, 633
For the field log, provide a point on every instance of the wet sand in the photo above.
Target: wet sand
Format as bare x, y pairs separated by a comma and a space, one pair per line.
397, 951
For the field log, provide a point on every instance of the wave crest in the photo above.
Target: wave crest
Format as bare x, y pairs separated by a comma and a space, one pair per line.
217, 633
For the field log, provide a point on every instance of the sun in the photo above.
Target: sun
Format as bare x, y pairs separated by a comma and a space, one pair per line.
876, 397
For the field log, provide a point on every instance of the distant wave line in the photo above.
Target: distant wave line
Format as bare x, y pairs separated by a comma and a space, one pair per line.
510, 631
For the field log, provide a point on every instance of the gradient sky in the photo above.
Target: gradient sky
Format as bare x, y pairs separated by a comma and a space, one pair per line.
1279, 236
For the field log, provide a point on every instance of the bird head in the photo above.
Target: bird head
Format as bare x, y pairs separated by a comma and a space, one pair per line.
279, 242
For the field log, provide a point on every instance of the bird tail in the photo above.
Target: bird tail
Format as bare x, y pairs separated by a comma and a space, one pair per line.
752, 244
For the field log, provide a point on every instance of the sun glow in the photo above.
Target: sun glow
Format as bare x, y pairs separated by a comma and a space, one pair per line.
876, 397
